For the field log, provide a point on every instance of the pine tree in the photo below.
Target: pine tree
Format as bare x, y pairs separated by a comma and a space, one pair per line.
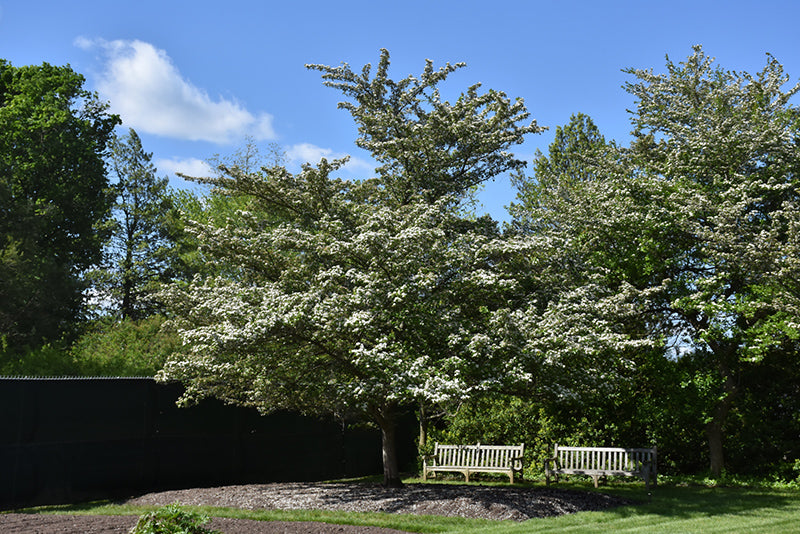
138, 252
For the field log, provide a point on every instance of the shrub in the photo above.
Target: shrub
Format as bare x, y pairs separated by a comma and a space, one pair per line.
124, 348
172, 519
47, 360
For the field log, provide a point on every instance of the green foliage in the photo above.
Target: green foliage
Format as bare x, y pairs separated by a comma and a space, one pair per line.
53, 194
683, 244
763, 431
217, 207
124, 347
50, 359
357, 297
139, 252
503, 420
108, 347
172, 519
576, 155
623, 418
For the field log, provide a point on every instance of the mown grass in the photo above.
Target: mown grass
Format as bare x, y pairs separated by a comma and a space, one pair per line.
671, 507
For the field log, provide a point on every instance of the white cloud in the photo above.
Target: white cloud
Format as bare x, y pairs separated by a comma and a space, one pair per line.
146, 89
189, 166
308, 153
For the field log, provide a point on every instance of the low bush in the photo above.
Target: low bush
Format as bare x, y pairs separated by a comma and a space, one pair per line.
124, 348
47, 360
172, 519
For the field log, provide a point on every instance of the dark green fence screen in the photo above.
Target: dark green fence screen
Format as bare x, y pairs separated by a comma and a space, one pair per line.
67, 440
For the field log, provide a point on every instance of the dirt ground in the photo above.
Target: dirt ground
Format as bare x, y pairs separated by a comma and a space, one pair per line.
488, 502
95, 524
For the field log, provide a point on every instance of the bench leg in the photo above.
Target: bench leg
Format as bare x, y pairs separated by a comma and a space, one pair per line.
596, 479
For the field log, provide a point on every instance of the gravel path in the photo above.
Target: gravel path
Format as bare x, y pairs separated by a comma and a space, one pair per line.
488, 502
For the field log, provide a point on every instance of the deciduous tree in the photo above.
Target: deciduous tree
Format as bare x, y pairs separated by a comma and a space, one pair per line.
575, 155
53, 194
687, 237
727, 144
361, 297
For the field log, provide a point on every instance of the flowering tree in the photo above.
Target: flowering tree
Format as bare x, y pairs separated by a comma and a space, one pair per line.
726, 146
582, 324
360, 297
576, 155
689, 236
429, 147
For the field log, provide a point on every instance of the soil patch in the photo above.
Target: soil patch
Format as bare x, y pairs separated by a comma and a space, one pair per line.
107, 524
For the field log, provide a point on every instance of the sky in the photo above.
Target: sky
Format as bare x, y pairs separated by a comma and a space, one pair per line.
198, 78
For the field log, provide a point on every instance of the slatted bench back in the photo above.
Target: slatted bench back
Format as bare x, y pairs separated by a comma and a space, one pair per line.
603, 461
607, 460
477, 456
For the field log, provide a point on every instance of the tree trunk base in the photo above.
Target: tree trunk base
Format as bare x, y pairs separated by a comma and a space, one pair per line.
393, 483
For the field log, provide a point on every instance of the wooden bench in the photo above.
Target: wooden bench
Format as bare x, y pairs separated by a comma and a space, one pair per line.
603, 461
477, 458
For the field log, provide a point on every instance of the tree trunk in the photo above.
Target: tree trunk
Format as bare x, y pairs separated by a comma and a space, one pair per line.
715, 449
714, 429
126, 307
385, 418
423, 428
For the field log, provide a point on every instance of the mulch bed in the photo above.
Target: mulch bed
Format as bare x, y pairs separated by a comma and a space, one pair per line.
470, 501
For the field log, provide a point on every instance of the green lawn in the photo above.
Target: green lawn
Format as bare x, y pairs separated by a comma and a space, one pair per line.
670, 508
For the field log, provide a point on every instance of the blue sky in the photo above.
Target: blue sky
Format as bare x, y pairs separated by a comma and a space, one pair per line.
194, 78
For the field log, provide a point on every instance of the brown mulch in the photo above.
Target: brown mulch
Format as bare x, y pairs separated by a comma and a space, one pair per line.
487, 502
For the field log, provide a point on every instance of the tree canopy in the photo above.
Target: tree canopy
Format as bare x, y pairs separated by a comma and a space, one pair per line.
725, 145
360, 297
53, 194
646, 291
688, 231
428, 147
139, 249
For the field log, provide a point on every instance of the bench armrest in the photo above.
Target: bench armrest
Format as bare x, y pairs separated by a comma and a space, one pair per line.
553, 460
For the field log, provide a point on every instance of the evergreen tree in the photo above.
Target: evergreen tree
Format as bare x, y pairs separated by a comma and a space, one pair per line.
139, 250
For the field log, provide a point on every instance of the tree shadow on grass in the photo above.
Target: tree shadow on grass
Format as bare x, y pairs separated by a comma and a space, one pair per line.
685, 502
